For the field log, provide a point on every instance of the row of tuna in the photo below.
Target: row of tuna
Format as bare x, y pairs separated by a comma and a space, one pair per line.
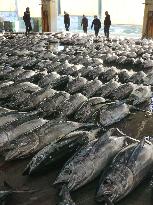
136, 54
90, 153
59, 105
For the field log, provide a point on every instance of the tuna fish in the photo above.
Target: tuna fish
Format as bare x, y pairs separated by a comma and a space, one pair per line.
24, 76
148, 80
88, 162
5, 83
13, 74
112, 113
124, 75
9, 117
8, 91
48, 79
107, 89
127, 170
58, 150
76, 85
111, 59
140, 95
69, 106
122, 92
94, 73
36, 98
16, 100
31, 142
109, 74
50, 105
62, 82
91, 88
19, 127
88, 108
138, 78
85, 71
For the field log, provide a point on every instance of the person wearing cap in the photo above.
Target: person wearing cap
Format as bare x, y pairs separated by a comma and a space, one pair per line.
66, 20
107, 23
26, 18
97, 25
84, 23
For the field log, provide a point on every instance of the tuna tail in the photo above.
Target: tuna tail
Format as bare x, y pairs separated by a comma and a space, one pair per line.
65, 196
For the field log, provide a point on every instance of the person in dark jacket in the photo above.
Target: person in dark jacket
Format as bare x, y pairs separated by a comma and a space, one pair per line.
66, 20
27, 19
97, 25
107, 23
84, 23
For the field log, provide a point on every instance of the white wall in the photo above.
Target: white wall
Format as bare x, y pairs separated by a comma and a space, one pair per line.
34, 5
80, 7
7, 5
124, 11
121, 11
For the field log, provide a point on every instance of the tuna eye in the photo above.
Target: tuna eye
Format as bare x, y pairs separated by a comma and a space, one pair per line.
107, 181
68, 171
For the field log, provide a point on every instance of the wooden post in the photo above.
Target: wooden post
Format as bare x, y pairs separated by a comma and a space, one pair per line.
44, 16
147, 30
49, 15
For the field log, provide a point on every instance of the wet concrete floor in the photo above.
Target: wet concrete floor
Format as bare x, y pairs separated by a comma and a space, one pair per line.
136, 125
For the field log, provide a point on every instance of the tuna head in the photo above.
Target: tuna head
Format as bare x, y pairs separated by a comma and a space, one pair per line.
127, 170
114, 186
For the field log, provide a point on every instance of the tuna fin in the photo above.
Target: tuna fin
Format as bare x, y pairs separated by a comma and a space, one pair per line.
26, 170
115, 131
65, 196
136, 151
97, 118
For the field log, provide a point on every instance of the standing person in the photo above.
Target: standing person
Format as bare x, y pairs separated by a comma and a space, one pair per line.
27, 19
66, 20
97, 25
84, 23
107, 23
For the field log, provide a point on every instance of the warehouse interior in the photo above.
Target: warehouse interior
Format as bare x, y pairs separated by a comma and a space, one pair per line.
76, 108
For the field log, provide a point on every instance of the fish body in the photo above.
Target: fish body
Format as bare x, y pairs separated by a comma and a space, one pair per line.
127, 170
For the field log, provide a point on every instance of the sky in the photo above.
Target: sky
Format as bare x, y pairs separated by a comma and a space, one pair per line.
121, 11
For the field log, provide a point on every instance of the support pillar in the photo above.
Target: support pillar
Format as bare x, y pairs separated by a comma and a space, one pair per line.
147, 19
49, 15
100, 8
